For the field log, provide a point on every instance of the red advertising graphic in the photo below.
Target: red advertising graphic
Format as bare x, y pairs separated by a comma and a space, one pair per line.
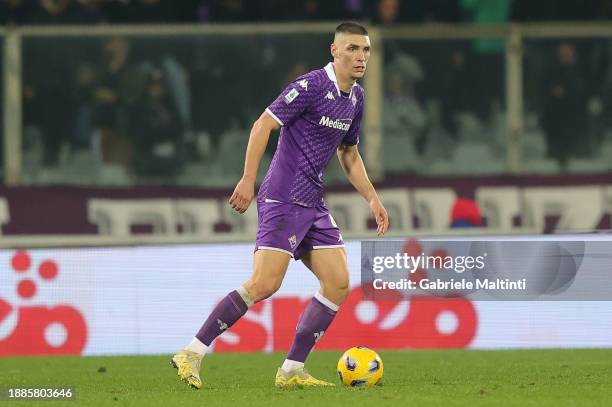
30, 334
395, 323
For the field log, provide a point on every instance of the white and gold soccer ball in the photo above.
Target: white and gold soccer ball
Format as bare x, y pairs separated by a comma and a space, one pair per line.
360, 367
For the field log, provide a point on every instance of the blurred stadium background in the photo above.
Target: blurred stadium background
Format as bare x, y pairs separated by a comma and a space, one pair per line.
124, 128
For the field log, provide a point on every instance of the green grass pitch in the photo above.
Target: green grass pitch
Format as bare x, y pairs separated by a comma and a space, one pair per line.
412, 378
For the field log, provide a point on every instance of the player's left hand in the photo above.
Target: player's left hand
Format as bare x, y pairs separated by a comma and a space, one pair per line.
243, 195
380, 214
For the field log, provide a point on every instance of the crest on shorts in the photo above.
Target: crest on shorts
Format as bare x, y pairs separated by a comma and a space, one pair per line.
292, 241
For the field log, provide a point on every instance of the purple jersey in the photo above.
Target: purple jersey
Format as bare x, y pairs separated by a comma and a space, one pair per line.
315, 118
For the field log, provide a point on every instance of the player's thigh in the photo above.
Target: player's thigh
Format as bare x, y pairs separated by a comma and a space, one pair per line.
329, 266
269, 269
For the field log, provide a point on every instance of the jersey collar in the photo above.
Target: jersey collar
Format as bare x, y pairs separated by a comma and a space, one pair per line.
331, 74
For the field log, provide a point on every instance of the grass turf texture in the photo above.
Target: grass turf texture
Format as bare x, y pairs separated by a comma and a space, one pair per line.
418, 378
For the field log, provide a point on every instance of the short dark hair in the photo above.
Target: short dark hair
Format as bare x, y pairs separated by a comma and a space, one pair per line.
351, 28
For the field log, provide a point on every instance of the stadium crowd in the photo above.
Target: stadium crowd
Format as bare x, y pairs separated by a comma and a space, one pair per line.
377, 11
162, 109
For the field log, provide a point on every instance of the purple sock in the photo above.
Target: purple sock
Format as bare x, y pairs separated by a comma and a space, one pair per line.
312, 325
226, 313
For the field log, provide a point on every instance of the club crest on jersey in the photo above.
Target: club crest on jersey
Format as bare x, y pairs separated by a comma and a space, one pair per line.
329, 96
304, 83
354, 100
340, 124
292, 241
291, 95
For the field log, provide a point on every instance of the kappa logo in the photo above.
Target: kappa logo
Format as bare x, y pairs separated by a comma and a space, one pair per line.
329, 96
292, 241
304, 84
289, 97
222, 325
39, 329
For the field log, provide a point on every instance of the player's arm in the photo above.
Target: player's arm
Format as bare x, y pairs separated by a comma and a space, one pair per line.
355, 171
258, 140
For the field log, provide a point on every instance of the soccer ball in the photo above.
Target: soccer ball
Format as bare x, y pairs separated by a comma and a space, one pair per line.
360, 367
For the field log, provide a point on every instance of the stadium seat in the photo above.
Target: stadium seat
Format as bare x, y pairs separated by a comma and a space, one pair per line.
477, 158
499, 205
399, 154
349, 210
245, 223
197, 216
541, 166
230, 155
113, 174
397, 203
533, 145
589, 165
5, 216
432, 201
578, 210
116, 216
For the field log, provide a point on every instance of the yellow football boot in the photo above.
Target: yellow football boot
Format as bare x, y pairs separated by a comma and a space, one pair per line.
188, 364
297, 378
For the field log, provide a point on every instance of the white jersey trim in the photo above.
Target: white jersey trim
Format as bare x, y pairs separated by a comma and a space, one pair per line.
275, 249
332, 246
331, 74
274, 116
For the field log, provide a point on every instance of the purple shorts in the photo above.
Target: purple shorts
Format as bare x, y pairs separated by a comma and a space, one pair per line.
295, 229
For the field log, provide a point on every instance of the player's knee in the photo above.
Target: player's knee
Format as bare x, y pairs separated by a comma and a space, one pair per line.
260, 290
337, 288
342, 292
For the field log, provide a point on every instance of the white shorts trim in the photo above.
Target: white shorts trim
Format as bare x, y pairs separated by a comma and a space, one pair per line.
274, 116
275, 249
326, 302
332, 246
268, 200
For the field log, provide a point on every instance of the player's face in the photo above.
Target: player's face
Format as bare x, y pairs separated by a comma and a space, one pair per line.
351, 53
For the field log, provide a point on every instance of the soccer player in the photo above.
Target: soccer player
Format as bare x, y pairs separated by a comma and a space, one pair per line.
319, 113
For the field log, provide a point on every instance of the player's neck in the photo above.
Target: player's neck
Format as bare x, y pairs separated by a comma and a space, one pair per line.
344, 83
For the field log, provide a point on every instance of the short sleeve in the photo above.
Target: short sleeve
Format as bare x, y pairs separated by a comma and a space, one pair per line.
352, 135
293, 101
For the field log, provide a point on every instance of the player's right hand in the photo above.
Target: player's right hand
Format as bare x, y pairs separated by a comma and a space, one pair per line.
243, 195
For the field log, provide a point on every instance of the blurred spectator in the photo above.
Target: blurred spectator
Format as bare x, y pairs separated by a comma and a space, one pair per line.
419, 11
403, 113
564, 112
555, 10
14, 12
487, 60
457, 91
120, 88
47, 97
51, 12
313, 10
156, 130
83, 95
379, 11
226, 10
89, 12
604, 10
354, 9
387, 12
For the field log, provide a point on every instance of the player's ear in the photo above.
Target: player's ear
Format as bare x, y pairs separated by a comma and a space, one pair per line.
333, 49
